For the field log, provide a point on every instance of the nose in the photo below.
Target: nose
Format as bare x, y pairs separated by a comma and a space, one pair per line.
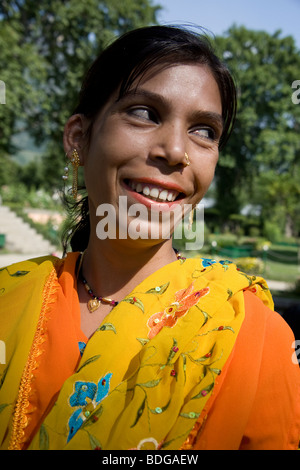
170, 146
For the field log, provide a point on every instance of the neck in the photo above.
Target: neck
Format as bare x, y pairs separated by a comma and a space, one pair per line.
113, 267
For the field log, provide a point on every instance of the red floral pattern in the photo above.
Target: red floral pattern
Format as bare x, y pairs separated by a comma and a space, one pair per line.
184, 300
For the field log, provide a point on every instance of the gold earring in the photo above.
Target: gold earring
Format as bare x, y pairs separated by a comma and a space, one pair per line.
75, 160
187, 159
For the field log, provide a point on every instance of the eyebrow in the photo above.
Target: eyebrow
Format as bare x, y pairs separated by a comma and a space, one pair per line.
198, 115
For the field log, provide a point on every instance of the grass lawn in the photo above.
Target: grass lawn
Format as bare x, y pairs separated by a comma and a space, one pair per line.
282, 263
281, 272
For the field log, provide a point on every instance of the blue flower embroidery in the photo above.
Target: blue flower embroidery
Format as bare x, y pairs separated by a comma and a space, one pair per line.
207, 262
81, 346
225, 261
87, 396
83, 390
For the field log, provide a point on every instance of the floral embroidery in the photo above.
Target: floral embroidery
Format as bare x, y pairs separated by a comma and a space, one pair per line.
81, 346
148, 440
158, 290
169, 381
15, 274
86, 397
184, 300
107, 327
207, 262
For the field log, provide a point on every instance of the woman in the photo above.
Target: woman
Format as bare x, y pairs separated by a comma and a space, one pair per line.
123, 344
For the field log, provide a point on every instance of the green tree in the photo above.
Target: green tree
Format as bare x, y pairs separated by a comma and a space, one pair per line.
17, 62
45, 49
261, 162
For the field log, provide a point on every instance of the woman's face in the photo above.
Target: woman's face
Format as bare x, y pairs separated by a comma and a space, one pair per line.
138, 143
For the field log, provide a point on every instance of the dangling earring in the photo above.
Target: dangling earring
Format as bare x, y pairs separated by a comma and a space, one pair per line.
75, 160
65, 176
191, 219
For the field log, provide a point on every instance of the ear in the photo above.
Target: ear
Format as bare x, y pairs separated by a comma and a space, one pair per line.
74, 135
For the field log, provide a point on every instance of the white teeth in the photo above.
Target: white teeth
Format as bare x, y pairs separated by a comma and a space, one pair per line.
146, 191
155, 193
163, 195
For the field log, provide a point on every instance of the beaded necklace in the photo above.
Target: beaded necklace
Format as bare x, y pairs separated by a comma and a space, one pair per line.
96, 300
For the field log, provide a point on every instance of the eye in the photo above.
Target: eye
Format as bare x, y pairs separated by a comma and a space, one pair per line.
143, 113
205, 132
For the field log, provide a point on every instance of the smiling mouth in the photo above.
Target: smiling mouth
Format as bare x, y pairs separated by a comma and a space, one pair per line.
154, 192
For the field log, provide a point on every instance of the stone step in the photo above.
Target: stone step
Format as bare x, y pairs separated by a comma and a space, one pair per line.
20, 236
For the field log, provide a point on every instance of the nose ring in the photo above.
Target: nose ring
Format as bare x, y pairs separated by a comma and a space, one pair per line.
187, 159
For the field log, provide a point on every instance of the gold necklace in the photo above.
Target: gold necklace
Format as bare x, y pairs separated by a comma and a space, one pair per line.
96, 300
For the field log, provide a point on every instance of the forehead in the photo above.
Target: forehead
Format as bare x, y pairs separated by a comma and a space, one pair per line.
182, 83
183, 89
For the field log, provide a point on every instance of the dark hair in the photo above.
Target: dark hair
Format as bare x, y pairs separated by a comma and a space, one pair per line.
126, 61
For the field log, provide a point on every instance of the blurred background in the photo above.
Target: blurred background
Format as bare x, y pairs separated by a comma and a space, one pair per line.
252, 211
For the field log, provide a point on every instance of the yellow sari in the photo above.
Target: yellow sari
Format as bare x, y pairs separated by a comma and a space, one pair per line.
146, 375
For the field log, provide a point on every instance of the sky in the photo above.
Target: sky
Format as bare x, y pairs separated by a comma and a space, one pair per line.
218, 15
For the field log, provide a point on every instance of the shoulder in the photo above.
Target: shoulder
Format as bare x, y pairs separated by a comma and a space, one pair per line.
270, 344
47, 263
33, 271
17, 271
259, 315
277, 341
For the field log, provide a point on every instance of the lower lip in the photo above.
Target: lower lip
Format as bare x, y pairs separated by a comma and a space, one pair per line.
154, 205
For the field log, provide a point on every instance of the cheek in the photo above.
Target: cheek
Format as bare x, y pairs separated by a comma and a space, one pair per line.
203, 179
206, 173
109, 151
113, 147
